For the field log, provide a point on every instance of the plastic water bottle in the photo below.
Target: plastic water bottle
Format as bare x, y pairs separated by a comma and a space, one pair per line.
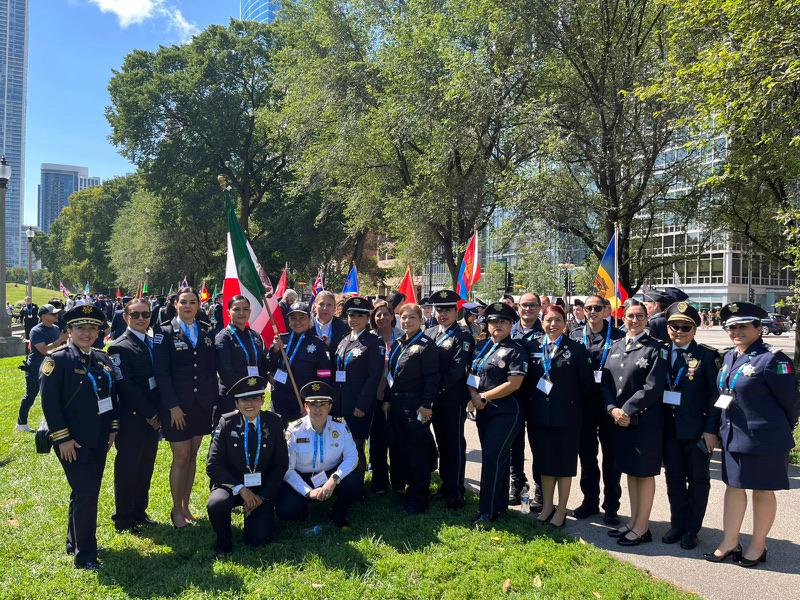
315, 530
525, 499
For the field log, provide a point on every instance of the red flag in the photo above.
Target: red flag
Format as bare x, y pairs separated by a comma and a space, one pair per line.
119, 292
407, 287
205, 296
470, 271
281, 285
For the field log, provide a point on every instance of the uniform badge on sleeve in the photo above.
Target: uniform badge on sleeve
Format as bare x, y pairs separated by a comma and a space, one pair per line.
47, 366
784, 368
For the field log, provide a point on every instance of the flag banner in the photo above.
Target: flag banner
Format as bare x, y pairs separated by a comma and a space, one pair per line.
146, 287
244, 276
319, 285
86, 288
184, 283
282, 286
407, 287
119, 292
63, 289
171, 291
214, 293
470, 271
204, 295
606, 274
351, 283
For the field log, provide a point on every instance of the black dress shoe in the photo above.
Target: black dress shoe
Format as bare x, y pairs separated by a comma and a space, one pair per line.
514, 498
749, 564
132, 529
145, 520
92, 565
735, 555
611, 518
672, 536
639, 539
584, 511
689, 541
617, 533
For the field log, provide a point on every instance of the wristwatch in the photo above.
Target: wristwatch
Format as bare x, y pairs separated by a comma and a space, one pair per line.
336, 478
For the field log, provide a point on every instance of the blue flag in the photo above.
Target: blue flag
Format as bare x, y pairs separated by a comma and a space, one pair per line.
351, 283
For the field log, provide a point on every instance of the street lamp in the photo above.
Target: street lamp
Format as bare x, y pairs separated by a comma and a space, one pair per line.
30, 234
5, 175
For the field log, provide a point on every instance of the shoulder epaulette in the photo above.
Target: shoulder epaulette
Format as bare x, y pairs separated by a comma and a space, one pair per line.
711, 348
294, 424
337, 419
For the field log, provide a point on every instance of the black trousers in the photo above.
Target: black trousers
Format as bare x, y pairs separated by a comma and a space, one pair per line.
448, 426
31, 391
292, 506
686, 468
496, 431
595, 427
379, 450
85, 476
518, 477
258, 525
137, 445
411, 455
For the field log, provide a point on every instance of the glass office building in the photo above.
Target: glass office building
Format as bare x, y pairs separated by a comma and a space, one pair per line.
58, 183
264, 11
13, 97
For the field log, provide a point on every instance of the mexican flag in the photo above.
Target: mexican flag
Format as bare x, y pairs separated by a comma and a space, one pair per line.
244, 276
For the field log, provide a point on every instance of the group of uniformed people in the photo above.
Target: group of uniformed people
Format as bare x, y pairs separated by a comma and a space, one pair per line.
340, 383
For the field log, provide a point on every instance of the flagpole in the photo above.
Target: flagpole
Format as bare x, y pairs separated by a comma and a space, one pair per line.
616, 269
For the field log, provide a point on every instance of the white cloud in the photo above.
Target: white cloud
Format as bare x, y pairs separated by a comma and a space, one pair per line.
134, 12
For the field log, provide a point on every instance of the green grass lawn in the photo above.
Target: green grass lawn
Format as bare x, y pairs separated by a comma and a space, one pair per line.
16, 292
384, 555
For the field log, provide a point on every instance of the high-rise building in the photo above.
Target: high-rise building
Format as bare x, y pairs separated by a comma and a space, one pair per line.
264, 11
13, 99
59, 182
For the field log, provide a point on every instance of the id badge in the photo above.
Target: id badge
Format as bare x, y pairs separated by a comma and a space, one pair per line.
319, 479
672, 398
104, 405
252, 480
724, 401
341, 376
252, 371
598, 377
152, 383
544, 385
389, 379
281, 376
473, 381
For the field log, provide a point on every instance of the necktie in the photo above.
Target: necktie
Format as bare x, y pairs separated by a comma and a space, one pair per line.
676, 355
629, 344
252, 442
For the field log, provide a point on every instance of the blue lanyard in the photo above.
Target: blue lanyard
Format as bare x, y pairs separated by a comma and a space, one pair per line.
296, 348
673, 385
477, 367
247, 446
93, 381
185, 330
732, 386
547, 360
606, 346
319, 445
399, 355
447, 334
252, 341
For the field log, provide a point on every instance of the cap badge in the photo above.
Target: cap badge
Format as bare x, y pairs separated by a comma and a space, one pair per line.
734, 308
497, 306
251, 381
87, 309
315, 387
357, 301
682, 307
443, 294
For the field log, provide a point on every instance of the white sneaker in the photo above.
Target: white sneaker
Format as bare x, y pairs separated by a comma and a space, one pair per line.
25, 427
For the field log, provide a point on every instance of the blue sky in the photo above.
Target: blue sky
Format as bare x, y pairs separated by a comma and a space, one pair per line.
73, 47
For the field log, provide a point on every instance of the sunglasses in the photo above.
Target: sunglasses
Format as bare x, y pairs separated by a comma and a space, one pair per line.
593, 308
683, 328
530, 305
636, 317
145, 314
735, 326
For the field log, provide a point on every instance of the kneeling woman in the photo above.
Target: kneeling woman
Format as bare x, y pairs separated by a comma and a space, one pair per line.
322, 460
561, 381
246, 463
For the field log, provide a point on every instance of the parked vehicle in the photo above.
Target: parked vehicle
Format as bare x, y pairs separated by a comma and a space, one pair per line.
775, 324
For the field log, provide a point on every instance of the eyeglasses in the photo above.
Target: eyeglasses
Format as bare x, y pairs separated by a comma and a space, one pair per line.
530, 305
683, 328
145, 314
593, 308
636, 317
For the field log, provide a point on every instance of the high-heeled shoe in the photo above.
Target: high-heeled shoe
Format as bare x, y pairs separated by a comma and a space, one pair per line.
645, 538
735, 555
182, 520
618, 533
563, 522
544, 521
749, 564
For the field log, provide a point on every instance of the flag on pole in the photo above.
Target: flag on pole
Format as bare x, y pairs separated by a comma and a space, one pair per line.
63, 289
407, 287
171, 291
608, 278
244, 276
470, 271
319, 285
119, 292
204, 296
282, 285
214, 293
86, 288
184, 283
146, 287
351, 283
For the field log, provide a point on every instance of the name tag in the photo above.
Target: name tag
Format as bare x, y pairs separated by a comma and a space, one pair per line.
151, 381
252, 480
319, 479
281, 376
598, 377
104, 405
252, 371
389, 379
473, 381
724, 401
544, 385
672, 398
341, 376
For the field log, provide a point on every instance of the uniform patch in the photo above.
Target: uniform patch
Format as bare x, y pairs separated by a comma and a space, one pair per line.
334, 434
642, 363
447, 344
748, 370
311, 348
501, 363
157, 338
466, 346
662, 354
302, 440
116, 359
784, 368
47, 366
357, 352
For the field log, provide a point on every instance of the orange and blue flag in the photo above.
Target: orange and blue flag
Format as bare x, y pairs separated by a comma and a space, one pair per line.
606, 274
470, 271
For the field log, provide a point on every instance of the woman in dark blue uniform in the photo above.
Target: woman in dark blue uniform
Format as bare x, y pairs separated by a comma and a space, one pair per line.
498, 370
240, 351
413, 380
760, 406
359, 368
561, 384
246, 463
187, 381
79, 405
633, 379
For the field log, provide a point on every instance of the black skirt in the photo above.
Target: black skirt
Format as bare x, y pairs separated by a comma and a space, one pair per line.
756, 471
198, 422
555, 451
637, 450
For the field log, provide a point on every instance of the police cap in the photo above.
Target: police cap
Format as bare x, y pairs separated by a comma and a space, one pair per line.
316, 392
445, 299
682, 311
299, 307
500, 311
675, 294
741, 312
246, 387
84, 314
357, 305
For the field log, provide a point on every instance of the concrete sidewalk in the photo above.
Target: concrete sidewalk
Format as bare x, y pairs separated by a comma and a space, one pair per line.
778, 578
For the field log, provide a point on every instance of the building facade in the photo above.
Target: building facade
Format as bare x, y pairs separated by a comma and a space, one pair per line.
13, 100
264, 11
58, 183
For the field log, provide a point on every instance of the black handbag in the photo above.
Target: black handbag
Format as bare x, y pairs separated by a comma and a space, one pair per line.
42, 438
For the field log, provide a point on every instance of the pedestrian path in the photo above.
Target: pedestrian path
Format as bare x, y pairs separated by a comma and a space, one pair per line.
778, 578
